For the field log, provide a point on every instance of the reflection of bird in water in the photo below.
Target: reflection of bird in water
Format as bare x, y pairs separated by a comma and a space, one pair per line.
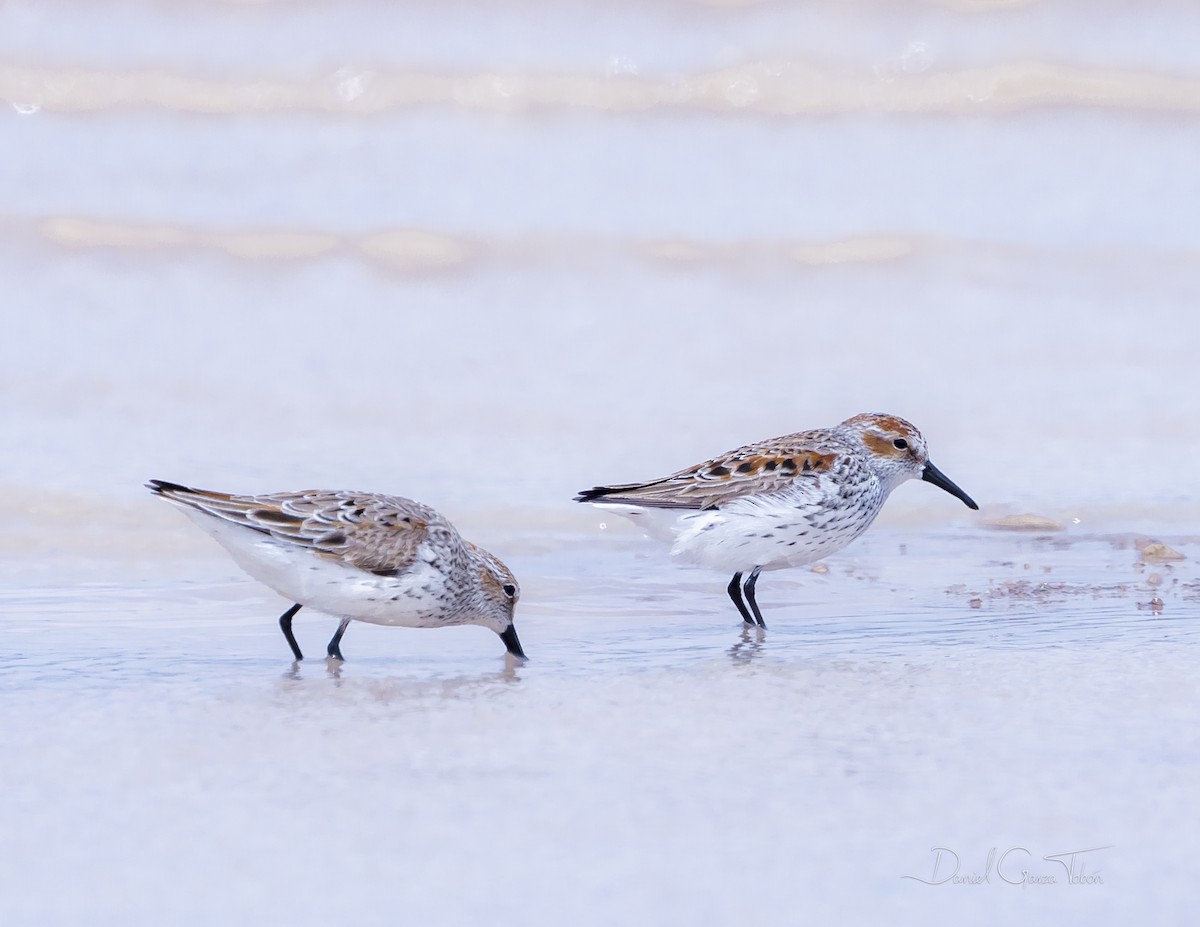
747, 649
406, 689
779, 503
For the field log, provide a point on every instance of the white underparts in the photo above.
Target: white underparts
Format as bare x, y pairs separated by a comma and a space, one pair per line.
416, 598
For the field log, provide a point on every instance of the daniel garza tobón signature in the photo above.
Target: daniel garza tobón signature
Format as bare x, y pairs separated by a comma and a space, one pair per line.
1017, 866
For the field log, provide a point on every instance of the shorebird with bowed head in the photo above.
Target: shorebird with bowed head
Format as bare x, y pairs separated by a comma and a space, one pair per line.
779, 503
359, 556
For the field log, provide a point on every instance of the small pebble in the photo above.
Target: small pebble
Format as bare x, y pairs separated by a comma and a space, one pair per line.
1160, 553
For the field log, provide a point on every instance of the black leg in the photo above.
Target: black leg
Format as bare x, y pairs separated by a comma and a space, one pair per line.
334, 649
285, 622
750, 583
735, 593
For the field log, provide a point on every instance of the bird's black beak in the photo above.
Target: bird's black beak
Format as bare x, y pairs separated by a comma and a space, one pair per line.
511, 643
932, 474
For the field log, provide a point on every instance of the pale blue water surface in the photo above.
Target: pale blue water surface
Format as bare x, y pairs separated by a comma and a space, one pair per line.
487, 255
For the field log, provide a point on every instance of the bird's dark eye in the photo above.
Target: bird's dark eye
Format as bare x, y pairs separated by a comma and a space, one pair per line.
900, 444
510, 590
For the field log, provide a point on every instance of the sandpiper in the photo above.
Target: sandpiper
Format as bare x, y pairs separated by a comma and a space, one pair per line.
778, 503
360, 556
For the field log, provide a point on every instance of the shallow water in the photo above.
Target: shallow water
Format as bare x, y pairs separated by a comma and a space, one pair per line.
482, 256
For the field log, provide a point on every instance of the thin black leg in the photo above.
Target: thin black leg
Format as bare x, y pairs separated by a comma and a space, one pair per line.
735, 593
750, 583
285, 622
334, 649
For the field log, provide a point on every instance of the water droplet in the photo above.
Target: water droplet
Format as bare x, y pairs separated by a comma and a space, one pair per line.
742, 90
504, 87
26, 108
916, 58
620, 64
350, 84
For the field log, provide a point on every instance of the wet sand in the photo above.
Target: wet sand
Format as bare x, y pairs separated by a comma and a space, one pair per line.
654, 755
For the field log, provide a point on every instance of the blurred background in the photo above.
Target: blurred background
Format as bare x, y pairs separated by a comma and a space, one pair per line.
487, 254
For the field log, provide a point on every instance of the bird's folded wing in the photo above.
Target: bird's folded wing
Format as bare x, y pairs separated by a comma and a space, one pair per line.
740, 474
373, 532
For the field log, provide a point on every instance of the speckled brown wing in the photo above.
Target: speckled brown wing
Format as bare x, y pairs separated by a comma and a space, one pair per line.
376, 533
776, 466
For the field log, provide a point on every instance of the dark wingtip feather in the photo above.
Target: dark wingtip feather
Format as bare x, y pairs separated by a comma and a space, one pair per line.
162, 487
596, 492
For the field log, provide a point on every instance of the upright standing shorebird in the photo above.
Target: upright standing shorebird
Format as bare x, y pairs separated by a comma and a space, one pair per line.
779, 503
357, 555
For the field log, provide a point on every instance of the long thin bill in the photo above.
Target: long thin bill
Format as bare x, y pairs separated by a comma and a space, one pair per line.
511, 644
932, 474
